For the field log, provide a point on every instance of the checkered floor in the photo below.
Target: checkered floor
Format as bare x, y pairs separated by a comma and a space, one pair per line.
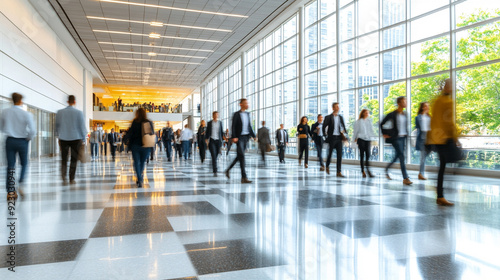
290, 223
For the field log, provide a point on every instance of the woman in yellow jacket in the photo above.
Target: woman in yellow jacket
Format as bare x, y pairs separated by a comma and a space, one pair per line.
442, 130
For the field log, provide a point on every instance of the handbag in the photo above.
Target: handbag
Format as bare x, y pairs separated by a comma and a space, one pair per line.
270, 148
344, 139
148, 137
82, 156
454, 153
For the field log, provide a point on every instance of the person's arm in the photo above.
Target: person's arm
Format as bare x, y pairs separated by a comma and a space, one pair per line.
31, 127
383, 122
234, 137
325, 122
356, 131
83, 129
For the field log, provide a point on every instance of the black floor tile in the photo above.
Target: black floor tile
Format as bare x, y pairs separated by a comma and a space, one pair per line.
42, 253
83, 205
224, 256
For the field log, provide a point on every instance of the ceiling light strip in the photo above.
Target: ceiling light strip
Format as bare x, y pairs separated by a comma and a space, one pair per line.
174, 8
160, 24
154, 34
158, 54
160, 47
152, 60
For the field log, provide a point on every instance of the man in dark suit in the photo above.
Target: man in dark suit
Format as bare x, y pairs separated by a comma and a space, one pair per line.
201, 135
281, 142
112, 139
333, 128
317, 131
167, 136
394, 128
264, 140
241, 132
214, 137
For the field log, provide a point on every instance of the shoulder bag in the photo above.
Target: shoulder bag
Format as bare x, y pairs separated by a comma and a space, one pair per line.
148, 137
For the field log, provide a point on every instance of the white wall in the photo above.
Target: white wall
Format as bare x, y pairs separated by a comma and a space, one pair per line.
35, 62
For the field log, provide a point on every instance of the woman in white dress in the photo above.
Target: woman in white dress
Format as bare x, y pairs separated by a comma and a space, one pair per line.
363, 135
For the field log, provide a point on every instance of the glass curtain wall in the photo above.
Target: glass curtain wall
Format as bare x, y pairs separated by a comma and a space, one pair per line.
366, 53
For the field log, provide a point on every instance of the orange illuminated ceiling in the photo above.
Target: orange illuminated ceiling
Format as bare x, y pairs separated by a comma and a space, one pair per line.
131, 94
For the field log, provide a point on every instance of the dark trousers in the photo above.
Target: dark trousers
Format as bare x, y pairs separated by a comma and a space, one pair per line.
186, 148
65, 146
441, 149
139, 155
263, 148
319, 148
335, 142
105, 145
399, 145
203, 150
94, 149
241, 146
304, 147
112, 148
364, 150
281, 151
152, 152
14, 146
229, 144
168, 149
179, 150
214, 147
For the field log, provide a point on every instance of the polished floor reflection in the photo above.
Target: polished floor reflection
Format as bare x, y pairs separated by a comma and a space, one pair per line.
290, 223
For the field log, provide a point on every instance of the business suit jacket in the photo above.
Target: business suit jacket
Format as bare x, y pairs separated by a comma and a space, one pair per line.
167, 134
209, 131
278, 136
237, 125
201, 134
263, 136
315, 135
112, 138
329, 126
70, 125
394, 131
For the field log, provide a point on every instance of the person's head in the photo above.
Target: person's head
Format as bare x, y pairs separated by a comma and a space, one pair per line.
447, 87
71, 100
423, 108
17, 98
263, 123
202, 123
303, 120
401, 101
168, 124
320, 118
243, 104
140, 115
95, 127
215, 115
364, 114
282, 126
112, 130
335, 107
185, 126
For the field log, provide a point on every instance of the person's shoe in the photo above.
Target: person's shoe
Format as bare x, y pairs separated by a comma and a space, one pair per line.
65, 182
364, 174
21, 193
443, 202
322, 168
370, 174
11, 196
215, 174
300, 162
421, 177
227, 174
407, 181
72, 182
388, 176
245, 181
328, 170
339, 174
305, 165
141, 184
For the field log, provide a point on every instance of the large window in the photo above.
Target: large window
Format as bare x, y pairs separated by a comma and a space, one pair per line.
366, 53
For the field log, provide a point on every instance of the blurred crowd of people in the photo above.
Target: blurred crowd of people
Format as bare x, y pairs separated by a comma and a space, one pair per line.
120, 106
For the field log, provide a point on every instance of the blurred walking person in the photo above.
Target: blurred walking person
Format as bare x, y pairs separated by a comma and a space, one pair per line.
363, 135
178, 144
443, 135
19, 127
319, 140
281, 142
186, 138
113, 140
303, 132
201, 136
95, 141
167, 136
135, 134
214, 138
423, 125
395, 133
70, 127
334, 130
264, 141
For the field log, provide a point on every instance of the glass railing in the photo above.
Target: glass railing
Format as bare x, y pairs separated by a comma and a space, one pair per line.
132, 108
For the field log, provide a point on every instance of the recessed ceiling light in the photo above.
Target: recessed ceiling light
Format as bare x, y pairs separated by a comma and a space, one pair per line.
160, 24
153, 46
155, 36
152, 60
174, 8
156, 54
156, 23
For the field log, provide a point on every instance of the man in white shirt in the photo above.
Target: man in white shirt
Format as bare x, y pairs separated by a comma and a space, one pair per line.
19, 127
333, 129
186, 137
214, 139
